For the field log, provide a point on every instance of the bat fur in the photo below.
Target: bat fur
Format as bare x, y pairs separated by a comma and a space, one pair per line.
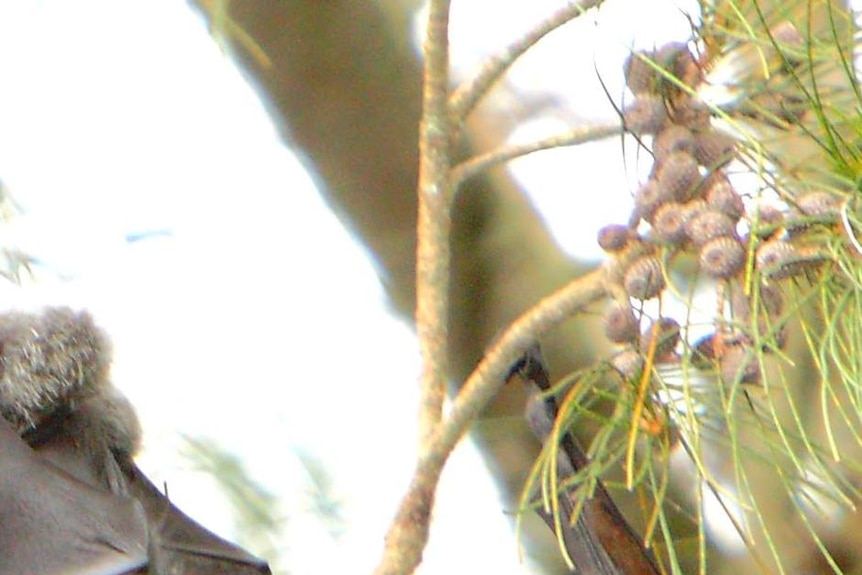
92, 511
47, 361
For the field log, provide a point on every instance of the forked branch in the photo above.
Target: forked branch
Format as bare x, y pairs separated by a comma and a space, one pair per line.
408, 533
469, 94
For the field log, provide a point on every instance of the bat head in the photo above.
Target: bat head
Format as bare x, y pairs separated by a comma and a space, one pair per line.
48, 361
111, 416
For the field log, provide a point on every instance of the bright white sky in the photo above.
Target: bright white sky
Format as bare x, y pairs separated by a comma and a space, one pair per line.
221, 323
120, 118
222, 320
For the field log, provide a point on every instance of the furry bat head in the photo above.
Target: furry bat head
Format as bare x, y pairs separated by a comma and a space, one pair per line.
54, 390
94, 443
111, 417
49, 360
72, 499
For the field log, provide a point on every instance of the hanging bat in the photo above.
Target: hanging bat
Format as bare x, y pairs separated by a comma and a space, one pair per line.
72, 500
599, 541
51, 523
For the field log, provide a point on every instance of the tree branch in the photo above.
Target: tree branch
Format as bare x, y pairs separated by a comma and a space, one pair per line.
469, 94
434, 221
408, 534
580, 135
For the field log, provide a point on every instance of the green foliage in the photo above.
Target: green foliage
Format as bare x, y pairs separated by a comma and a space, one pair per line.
255, 508
765, 418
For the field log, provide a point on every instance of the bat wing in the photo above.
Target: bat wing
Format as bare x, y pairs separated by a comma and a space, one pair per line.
581, 544
180, 545
609, 533
177, 544
599, 541
51, 523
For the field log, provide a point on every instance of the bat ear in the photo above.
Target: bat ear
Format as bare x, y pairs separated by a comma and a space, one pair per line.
111, 416
93, 441
47, 361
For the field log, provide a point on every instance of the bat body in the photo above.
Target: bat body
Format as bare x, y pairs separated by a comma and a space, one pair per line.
72, 500
50, 522
180, 545
599, 541
175, 544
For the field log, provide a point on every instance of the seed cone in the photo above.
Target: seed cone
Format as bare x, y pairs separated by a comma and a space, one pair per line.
629, 363
677, 176
677, 59
643, 279
777, 259
704, 352
646, 115
613, 237
647, 199
722, 258
708, 225
819, 204
668, 223
666, 337
690, 112
713, 149
721, 196
766, 220
738, 364
674, 138
621, 325
640, 76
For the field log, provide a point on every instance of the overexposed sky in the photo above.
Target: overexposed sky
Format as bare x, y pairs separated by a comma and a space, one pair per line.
122, 119
119, 119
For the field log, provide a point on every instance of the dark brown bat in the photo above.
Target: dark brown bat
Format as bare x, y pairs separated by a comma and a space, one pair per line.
179, 545
52, 523
600, 541
78, 443
72, 500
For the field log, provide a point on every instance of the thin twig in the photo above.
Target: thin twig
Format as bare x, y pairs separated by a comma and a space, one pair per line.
409, 531
580, 135
465, 98
490, 375
434, 221
848, 228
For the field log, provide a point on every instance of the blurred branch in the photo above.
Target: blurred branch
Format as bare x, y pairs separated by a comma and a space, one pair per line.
226, 31
409, 532
491, 372
482, 162
434, 224
408, 535
465, 98
345, 81
254, 507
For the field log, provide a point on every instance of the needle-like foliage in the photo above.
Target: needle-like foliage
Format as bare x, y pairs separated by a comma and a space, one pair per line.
762, 414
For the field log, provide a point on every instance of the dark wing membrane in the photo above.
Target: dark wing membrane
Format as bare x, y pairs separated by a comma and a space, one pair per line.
181, 546
176, 544
599, 541
581, 543
53, 524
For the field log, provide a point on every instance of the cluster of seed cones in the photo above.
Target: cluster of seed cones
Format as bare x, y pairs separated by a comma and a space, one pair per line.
688, 207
